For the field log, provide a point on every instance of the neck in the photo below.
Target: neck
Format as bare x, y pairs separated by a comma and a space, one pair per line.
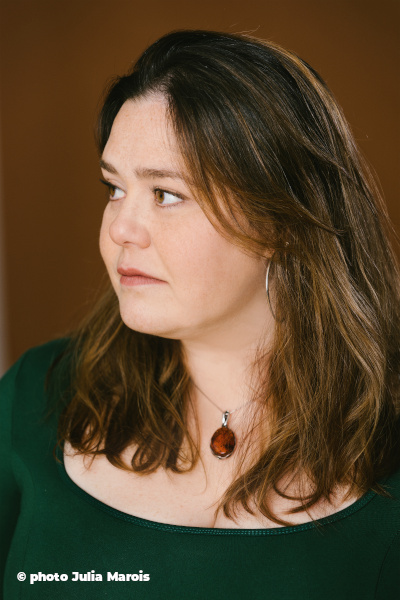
220, 364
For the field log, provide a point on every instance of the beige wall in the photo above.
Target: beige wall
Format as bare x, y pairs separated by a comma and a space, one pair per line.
55, 59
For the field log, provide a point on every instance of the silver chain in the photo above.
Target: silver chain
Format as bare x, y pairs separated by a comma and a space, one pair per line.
220, 409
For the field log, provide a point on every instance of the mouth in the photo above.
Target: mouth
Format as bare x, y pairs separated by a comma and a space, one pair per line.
133, 277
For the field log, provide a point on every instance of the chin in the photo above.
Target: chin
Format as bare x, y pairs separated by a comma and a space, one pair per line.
150, 324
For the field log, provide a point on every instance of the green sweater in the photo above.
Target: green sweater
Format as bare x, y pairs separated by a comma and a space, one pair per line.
55, 533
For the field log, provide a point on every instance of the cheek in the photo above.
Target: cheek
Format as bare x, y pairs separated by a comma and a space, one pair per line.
236, 275
209, 267
191, 256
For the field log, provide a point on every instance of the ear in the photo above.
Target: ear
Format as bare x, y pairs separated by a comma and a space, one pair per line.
268, 253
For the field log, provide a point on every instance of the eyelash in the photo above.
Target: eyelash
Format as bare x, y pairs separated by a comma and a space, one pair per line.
112, 187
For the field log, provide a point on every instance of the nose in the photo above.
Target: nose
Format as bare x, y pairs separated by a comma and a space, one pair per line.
129, 226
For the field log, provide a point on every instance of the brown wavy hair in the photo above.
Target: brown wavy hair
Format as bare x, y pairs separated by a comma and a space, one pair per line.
275, 167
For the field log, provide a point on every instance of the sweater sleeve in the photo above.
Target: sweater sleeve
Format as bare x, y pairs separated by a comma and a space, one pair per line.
9, 491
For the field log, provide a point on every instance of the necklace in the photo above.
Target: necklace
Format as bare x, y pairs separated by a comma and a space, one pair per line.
223, 440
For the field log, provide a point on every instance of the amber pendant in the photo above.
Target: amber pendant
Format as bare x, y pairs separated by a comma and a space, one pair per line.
223, 441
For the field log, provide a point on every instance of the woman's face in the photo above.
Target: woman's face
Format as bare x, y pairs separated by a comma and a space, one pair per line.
201, 282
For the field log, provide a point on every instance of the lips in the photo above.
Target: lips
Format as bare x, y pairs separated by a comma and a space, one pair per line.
130, 272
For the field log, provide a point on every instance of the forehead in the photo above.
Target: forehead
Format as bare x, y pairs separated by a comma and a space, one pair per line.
141, 129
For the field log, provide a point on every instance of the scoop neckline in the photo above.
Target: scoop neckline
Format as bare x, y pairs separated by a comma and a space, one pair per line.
341, 514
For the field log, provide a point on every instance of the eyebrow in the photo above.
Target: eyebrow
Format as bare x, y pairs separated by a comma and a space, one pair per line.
145, 173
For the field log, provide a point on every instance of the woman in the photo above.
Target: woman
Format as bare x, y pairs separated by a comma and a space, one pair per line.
228, 415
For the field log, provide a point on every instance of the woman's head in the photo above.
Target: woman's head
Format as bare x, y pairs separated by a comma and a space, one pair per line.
264, 146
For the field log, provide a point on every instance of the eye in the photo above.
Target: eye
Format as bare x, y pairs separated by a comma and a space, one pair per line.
115, 193
164, 198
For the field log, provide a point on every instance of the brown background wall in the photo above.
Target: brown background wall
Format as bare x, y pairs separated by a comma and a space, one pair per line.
56, 56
